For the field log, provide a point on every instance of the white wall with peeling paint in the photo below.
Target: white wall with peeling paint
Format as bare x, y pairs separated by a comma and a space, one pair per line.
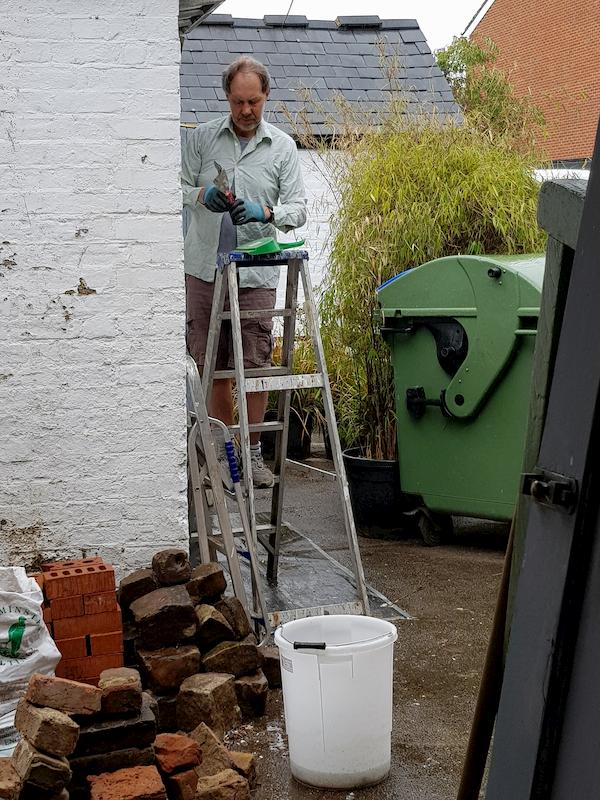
92, 416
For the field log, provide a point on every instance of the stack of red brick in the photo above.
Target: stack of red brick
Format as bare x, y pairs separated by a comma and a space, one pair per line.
83, 616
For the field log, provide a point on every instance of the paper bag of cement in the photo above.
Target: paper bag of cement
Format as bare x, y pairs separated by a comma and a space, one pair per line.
25, 646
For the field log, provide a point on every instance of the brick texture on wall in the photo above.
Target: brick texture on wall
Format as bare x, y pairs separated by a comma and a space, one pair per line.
552, 50
92, 371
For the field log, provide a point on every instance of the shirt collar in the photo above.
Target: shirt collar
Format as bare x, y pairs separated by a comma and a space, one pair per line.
262, 132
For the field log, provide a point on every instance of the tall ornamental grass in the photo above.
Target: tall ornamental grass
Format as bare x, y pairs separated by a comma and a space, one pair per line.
409, 192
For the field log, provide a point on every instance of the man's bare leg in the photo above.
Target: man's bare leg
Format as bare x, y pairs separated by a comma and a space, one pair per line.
221, 405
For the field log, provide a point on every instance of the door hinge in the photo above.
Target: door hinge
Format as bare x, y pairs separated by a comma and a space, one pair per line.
551, 489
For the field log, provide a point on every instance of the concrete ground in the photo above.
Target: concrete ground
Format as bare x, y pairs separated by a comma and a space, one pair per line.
450, 592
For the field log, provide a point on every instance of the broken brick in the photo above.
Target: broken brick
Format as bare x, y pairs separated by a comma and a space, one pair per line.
182, 785
49, 773
236, 658
226, 785
252, 691
164, 617
207, 581
212, 627
110, 762
136, 585
175, 751
103, 735
165, 670
10, 782
47, 729
233, 611
63, 695
208, 698
133, 783
171, 567
121, 691
271, 665
215, 756
245, 764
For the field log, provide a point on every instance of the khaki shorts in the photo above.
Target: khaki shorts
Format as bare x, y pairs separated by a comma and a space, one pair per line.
257, 337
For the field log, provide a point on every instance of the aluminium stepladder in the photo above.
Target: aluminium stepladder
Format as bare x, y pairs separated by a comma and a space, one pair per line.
280, 379
208, 493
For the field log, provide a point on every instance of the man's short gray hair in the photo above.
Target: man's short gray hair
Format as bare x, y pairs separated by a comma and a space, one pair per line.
246, 64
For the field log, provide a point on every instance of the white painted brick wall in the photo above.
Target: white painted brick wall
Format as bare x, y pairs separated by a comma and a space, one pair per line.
92, 416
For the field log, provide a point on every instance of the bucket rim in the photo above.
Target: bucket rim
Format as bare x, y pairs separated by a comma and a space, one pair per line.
382, 638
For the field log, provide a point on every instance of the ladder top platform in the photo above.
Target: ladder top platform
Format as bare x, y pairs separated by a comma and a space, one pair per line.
265, 260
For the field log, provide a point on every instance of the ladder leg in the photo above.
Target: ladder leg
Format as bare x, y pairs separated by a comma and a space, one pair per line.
197, 495
314, 328
287, 357
214, 333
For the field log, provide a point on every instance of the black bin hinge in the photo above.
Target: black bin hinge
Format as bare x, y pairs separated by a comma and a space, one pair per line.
551, 489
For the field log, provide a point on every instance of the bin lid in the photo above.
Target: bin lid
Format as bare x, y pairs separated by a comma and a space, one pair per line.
496, 300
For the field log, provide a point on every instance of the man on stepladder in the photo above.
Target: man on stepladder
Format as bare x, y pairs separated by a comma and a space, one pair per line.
263, 169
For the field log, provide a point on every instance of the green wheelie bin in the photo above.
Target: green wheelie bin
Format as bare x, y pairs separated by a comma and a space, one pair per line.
462, 333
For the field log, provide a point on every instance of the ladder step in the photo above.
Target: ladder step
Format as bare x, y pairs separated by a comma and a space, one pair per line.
257, 427
258, 372
260, 312
278, 383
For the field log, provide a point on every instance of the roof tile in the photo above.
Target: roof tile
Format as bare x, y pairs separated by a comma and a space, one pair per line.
313, 59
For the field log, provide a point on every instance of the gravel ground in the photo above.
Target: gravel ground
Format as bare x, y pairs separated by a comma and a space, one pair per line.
450, 592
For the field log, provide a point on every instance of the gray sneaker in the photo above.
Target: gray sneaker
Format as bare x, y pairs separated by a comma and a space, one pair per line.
262, 477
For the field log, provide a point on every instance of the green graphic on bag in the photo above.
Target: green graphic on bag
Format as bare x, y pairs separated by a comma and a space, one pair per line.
11, 648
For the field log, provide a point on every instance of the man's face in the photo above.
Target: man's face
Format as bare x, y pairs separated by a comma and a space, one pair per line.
247, 101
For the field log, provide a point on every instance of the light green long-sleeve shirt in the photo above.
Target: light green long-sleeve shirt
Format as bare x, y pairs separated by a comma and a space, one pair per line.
267, 171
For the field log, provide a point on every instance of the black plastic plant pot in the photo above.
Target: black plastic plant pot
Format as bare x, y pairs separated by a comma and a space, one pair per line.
299, 437
378, 502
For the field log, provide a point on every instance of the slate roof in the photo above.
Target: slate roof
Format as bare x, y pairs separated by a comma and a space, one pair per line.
328, 57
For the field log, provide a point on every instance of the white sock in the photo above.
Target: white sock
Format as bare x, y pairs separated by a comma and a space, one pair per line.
255, 448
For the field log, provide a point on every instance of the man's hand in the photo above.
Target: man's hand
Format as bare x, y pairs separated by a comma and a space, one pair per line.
215, 200
243, 211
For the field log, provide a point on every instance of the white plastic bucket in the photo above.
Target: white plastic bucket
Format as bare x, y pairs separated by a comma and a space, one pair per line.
337, 692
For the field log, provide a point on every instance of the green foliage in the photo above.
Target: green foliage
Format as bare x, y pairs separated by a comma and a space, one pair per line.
486, 96
409, 193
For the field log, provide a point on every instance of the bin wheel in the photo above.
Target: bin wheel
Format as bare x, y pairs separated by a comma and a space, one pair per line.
435, 529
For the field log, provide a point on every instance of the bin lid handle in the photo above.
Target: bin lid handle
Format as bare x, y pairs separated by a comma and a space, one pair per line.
309, 645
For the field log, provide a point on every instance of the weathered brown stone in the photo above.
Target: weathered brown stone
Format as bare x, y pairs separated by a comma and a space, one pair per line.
212, 627
121, 691
10, 782
271, 665
207, 581
245, 764
110, 762
130, 641
182, 786
233, 611
104, 735
167, 713
136, 585
135, 783
165, 617
48, 773
252, 692
70, 697
46, 729
171, 567
215, 756
208, 698
175, 751
164, 670
236, 658
226, 785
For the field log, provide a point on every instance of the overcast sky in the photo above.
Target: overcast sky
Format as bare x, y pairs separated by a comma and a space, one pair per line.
440, 20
